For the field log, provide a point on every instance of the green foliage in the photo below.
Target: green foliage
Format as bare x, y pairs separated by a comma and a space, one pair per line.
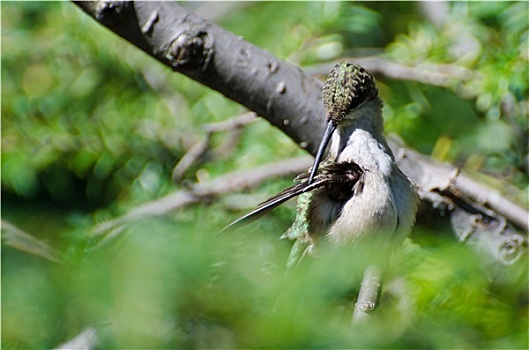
490, 39
92, 127
170, 285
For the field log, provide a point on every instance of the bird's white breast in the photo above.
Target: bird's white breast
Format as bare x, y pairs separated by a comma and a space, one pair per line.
373, 209
366, 151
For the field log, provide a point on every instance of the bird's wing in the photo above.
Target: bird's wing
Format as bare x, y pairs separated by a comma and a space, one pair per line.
277, 200
406, 201
342, 176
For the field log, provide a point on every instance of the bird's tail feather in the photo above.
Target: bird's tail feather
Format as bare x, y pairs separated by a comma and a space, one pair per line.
273, 202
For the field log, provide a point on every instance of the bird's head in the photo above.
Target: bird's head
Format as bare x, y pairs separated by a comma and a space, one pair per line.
347, 88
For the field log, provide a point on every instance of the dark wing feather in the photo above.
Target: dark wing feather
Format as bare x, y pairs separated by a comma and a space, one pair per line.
277, 200
342, 179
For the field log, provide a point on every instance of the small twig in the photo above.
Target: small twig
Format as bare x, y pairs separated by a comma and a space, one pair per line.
443, 75
369, 293
86, 340
190, 158
234, 126
229, 144
225, 184
21, 240
200, 148
230, 124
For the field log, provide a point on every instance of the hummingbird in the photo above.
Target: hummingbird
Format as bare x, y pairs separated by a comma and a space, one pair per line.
358, 191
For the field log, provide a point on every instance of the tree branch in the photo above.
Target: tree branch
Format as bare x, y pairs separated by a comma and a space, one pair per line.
201, 147
86, 340
442, 75
21, 240
369, 294
443, 185
291, 100
226, 184
220, 60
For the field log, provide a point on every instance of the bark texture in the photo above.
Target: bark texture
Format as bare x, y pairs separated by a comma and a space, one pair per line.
207, 53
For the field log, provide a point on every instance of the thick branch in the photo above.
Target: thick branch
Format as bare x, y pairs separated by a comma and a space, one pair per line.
205, 52
430, 175
469, 204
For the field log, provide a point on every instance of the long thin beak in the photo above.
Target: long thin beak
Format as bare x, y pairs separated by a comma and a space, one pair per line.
321, 149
